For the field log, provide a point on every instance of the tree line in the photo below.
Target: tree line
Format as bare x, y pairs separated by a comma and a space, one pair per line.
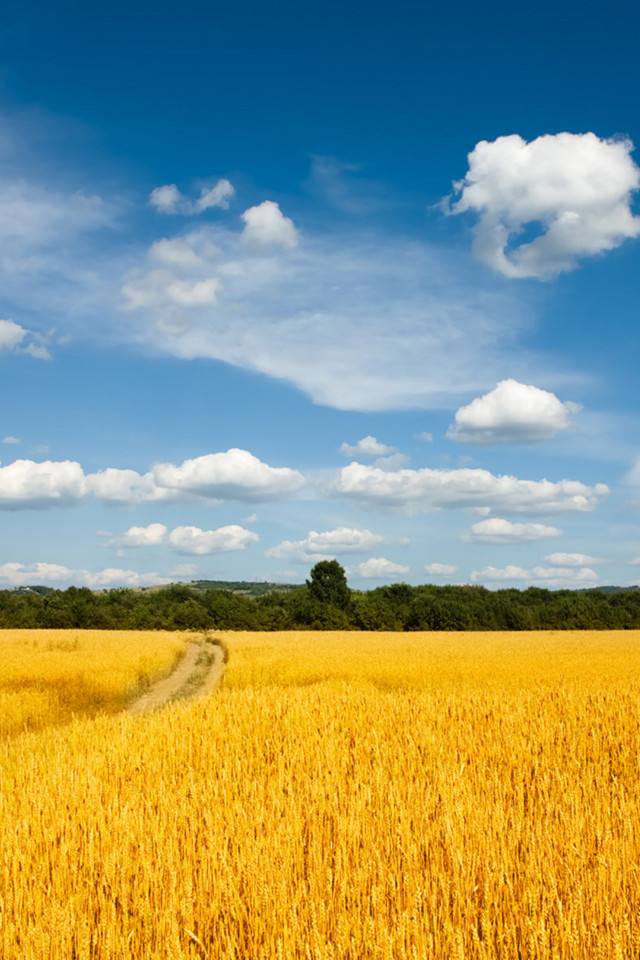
325, 602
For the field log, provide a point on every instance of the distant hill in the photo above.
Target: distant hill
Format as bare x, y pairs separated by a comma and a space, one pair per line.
244, 588
610, 589
252, 588
247, 588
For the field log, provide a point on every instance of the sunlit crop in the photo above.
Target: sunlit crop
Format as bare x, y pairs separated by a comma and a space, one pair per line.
47, 676
354, 796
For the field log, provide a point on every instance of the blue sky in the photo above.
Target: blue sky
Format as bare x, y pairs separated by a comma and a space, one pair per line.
282, 282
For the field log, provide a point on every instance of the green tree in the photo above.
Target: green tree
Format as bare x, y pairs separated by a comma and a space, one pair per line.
328, 584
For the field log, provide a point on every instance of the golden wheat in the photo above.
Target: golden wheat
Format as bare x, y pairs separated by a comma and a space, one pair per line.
407, 796
47, 676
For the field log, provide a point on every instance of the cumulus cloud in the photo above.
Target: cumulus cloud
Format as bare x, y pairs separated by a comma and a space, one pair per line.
576, 187
233, 475
149, 536
329, 544
267, 226
440, 569
572, 559
378, 568
512, 413
545, 576
19, 574
367, 447
201, 542
168, 199
417, 491
188, 539
497, 530
25, 483
11, 440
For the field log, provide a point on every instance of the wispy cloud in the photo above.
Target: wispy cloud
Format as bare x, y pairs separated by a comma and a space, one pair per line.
498, 530
355, 320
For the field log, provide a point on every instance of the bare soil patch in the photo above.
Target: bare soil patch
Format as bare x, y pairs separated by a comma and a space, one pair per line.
198, 674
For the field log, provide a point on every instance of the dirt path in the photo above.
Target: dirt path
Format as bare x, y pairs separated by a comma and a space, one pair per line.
197, 675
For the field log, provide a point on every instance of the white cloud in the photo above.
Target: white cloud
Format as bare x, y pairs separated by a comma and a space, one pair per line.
440, 569
356, 318
329, 544
36, 350
357, 322
545, 576
11, 440
166, 199
11, 334
149, 536
217, 196
161, 288
635, 562
115, 485
19, 574
13, 337
512, 413
176, 253
201, 542
25, 483
576, 187
418, 491
378, 568
497, 530
198, 293
426, 436
367, 447
633, 476
266, 225
113, 576
572, 559
234, 475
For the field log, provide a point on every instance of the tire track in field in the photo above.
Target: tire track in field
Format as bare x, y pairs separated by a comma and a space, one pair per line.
198, 674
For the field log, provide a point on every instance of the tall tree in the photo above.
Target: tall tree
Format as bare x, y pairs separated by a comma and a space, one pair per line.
328, 584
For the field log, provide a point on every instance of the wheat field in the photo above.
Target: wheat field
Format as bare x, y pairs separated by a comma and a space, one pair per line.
345, 796
48, 676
